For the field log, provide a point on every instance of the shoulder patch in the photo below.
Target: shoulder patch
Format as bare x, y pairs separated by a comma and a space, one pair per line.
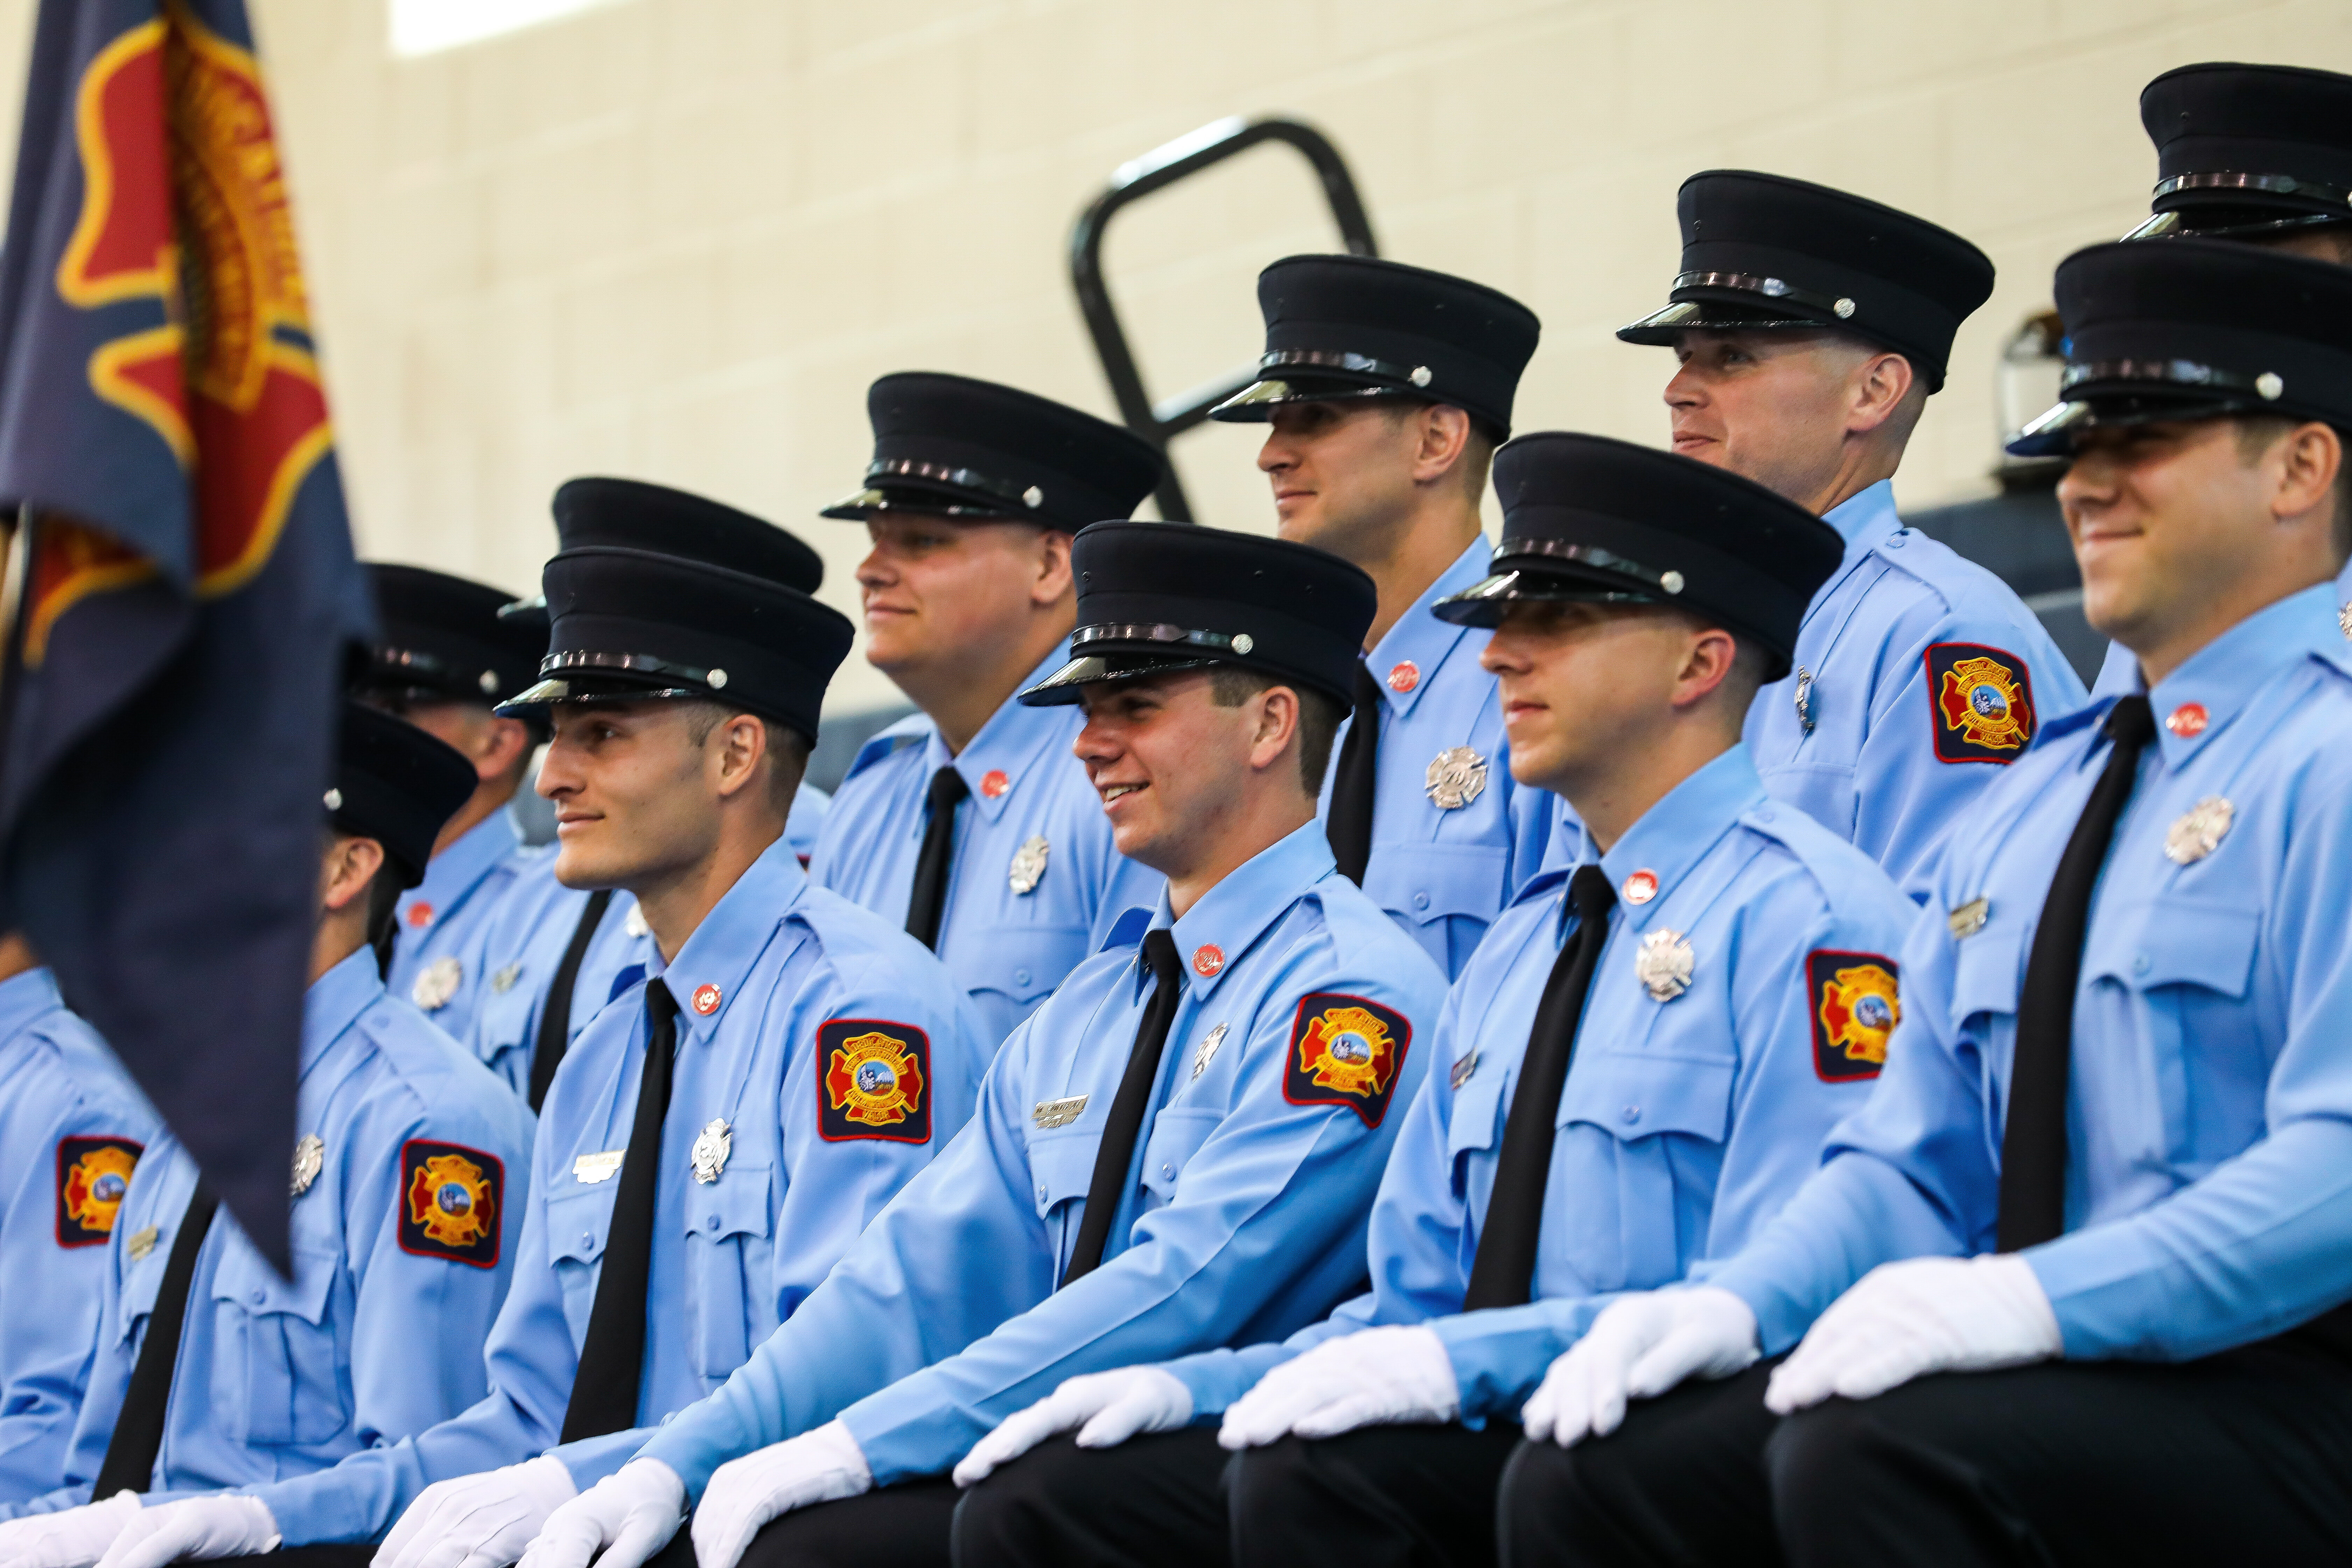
1854, 1006
92, 1175
873, 1081
1345, 1050
449, 1197
1980, 702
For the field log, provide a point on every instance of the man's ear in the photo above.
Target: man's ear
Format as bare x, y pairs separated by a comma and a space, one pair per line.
740, 741
348, 866
1880, 384
1444, 433
1707, 660
2310, 459
1277, 710
1052, 581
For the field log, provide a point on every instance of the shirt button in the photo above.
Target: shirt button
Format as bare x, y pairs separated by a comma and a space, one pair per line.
587, 1238
1763, 814
259, 1297
2139, 963
711, 1223
1020, 977
1420, 901
1167, 1170
1632, 1114
1041, 1195
1899, 540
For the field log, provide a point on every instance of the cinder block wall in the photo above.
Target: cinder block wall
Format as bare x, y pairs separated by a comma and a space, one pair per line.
676, 238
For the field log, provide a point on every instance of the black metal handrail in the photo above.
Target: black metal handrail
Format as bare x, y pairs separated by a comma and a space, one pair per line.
1160, 422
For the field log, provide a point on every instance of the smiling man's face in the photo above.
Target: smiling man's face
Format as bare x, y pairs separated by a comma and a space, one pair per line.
2157, 514
1166, 760
931, 589
1341, 472
636, 794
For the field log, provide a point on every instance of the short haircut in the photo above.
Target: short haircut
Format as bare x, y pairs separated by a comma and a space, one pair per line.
383, 890
788, 748
2258, 433
1230, 685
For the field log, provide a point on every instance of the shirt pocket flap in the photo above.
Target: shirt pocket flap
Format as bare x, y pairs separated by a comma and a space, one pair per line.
1424, 882
1641, 1095
1019, 962
1477, 1118
2177, 942
576, 1223
734, 1205
244, 1279
1986, 975
1062, 1169
1176, 1135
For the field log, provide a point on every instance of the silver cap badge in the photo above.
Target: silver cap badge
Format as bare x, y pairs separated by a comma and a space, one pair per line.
2199, 831
1663, 964
1207, 1048
1029, 865
436, 983
711, 1146
1458, 775
309, 1158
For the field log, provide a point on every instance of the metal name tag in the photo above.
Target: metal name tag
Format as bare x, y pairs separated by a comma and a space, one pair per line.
1058, 1113
594, 1168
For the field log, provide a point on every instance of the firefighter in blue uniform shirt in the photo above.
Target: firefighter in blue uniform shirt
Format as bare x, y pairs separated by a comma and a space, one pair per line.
446, 659
721, 1132
969, 822
2261, 155
1388, 388
208, 1369
1176, 1152
1684, 1017
543, 929
72, 1128
1811, 327
2118, 1108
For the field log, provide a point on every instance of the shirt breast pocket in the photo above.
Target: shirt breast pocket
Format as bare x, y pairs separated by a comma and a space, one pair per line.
2173, 940
1987, 974
576, 1226
278, 1375
1176, 1135
725, 1222
1021, 962
1664, 1119
1422, 884
1061, 1168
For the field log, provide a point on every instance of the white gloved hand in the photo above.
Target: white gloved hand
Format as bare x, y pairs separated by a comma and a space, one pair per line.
1392, 1373
71, 1538
628, 1516
1903, 1321
481, 1520
1106, 1407
1639, 1347
194, 1528
744, 1494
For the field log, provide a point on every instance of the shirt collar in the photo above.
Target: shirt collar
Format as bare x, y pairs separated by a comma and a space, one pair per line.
2226, 675
719, 955
1420, 638
453, 873
1013, 741
1679, 831
25, 997
335, 1001
1234, 913
1864, 519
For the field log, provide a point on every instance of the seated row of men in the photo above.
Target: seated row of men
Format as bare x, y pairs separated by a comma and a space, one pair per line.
906, 1207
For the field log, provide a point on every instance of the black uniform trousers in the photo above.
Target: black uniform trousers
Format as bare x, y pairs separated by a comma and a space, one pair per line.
1368, 1499
2240, 1457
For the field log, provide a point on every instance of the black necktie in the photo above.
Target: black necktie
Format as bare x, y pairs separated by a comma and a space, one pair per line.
1112, 1179
555, 1013
929, 895
2033, 1139
612, 1351
1349, 825
129, 1462
1504, 1270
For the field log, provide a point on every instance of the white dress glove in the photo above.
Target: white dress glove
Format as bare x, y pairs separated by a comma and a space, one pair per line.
71, 1538
1903, 1321
1373, 1376
1639, 1347
1106, 1407
192, 1528
744, 1494
481, 1520
628, 1516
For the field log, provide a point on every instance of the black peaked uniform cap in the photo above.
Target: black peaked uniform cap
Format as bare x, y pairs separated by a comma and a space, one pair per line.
396, 785
953, 447
630, 625
2195, 328
1588, 518
630, 514
1763, 250
1352, 326
1157, 595
444, 639
2248, 150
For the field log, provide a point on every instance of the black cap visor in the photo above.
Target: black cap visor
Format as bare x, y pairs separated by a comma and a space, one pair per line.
1067, 684
937, 489
1487, 602
1713, 311
2051, 434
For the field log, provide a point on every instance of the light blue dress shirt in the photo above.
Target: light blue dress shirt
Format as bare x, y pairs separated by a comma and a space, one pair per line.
2208, 1184
438, 954
1443, 871
1873, 766
782, 967
70, 1120
1006, 945
379, 1332
1244, 1220
1685, 1122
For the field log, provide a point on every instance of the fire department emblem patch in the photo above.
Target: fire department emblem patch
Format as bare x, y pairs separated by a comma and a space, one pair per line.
1855, 1008
1346, 1050
875, 1081
92, 1175
449, 1202
1983, 703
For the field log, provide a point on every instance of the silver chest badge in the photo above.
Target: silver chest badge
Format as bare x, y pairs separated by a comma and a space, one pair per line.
711, 1146
1207, 1048
1458, 775
309, 1158
436, 983
2198, 831
636, 924
503, 981
1663, 964
1028, 867
1805, 700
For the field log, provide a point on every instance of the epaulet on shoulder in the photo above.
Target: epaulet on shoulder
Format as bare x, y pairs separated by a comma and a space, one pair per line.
1128, 930
1831, 860
2095, 712
908, 731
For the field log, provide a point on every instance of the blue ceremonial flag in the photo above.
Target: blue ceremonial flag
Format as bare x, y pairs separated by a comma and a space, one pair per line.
181, 598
